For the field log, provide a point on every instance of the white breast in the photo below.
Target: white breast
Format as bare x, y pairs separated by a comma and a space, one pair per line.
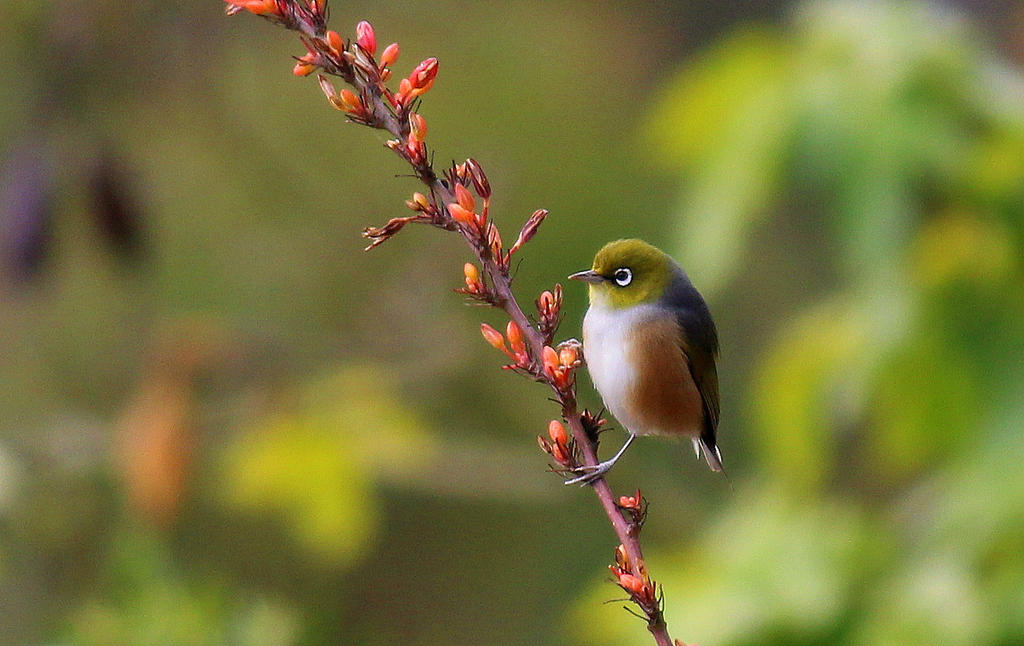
606, 348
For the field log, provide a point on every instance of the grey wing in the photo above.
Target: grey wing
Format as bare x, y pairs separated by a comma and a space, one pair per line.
700, 344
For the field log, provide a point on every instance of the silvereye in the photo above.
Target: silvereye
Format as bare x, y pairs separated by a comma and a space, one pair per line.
650, 345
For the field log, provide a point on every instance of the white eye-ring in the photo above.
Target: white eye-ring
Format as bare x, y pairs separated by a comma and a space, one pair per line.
623, 276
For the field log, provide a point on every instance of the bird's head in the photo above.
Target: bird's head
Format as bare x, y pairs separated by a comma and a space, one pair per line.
627, 273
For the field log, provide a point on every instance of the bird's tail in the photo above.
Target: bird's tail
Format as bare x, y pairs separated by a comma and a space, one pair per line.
706, 445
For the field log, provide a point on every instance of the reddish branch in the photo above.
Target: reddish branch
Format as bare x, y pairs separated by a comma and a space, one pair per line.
451, 205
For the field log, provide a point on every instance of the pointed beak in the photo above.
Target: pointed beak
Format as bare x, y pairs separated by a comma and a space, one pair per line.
588, 276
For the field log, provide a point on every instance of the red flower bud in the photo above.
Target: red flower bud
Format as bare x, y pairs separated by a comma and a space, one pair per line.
632, 584
366, 38
545, 301
423, 75
480, 183
529, 229
550, 359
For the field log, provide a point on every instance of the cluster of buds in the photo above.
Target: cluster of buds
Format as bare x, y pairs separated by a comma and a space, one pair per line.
418, 82
327, 50
515, 349
413, 147
474, 222
549, 312
306, 16
475, 285
346, 100
640, 588
560, 365
559, 447
425, 212
636, 507
331, 45
463, 210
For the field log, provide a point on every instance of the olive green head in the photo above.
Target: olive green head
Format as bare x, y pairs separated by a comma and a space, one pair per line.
627, 273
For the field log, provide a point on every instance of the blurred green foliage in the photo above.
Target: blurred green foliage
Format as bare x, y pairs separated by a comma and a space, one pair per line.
234, 427
887, 404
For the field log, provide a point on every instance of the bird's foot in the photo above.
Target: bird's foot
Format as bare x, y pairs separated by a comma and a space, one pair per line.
590, 472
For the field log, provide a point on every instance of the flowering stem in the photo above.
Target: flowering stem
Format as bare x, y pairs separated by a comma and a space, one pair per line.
452, 207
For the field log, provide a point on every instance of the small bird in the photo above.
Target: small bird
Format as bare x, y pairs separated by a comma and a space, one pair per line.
650, 345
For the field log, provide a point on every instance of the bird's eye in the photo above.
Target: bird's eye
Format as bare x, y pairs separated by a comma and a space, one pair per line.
623, 276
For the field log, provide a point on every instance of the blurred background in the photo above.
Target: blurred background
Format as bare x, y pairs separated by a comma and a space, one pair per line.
222, 423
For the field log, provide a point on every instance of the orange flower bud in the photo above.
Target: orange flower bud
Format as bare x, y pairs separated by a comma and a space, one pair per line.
350, 102
472, 273
493, 337
464, 198
418, 130
462, 216
421, 201
389, 55
303, 69
515, 337
366, 38
556, 430
568, 356
258, 7
335, 41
